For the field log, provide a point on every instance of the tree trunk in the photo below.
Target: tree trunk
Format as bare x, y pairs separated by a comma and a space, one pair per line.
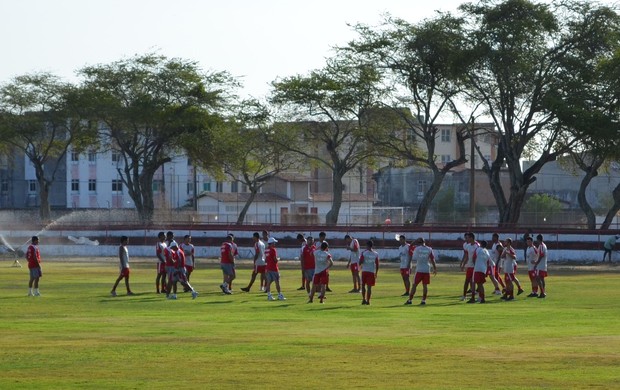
591, 173
331, 218
430, 194
613, 211
44, 208
246, 207
147, 209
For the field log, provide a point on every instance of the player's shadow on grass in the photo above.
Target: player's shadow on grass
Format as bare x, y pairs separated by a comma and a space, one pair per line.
216, 302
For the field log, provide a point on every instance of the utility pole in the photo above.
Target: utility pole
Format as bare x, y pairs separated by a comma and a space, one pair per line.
472, 177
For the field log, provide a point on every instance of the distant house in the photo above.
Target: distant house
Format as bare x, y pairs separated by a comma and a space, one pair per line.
284, 199
562, 180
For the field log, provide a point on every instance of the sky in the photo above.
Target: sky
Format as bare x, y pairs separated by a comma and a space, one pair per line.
255, 41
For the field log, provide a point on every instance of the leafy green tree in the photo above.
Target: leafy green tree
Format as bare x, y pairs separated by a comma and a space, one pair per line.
601, 142
541, 208
522, 53
246, 154
325, 111
590, 103
41, 116
147, 104
426, 62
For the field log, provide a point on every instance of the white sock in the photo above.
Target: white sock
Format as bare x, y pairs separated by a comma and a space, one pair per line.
36, 290
30, 290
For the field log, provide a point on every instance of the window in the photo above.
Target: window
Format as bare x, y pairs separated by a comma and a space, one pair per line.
219, 186
75, 156
116, 156
158, 185
75, 185
445, 158
234, 186
4, 186
446, 135
92, 156
92, 185
32, 186
206, 186
117, 185
190, 187
421, 189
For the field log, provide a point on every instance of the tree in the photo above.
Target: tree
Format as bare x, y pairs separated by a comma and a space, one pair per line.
40, 115
428, 61
245, 153
597, 118
519, 73
541, 208
147, 104
325, 110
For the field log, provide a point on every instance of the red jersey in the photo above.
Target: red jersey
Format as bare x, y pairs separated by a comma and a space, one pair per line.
227, 251
308, 254
171, 257
33, 256
271, 257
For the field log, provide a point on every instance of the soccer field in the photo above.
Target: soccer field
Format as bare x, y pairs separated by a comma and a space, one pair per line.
76, 336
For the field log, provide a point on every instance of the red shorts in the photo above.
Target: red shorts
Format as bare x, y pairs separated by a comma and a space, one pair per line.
531, 274
161, 268
469, 272
542, 274
405, 271
260, 269
368, 278
491, 270
480, 277
189, 268
423, 277
355, 267
321, 278
125, 272
509, 277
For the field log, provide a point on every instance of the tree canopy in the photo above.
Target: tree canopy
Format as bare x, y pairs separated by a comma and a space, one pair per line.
147, 104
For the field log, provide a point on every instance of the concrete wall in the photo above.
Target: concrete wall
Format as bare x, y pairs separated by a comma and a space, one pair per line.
578, 247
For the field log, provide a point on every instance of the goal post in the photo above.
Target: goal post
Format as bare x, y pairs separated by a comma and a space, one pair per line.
376, 215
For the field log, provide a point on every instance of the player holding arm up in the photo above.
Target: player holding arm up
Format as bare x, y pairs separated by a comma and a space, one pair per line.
353, 246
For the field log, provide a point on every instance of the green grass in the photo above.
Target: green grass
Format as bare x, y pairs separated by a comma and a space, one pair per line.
77, 336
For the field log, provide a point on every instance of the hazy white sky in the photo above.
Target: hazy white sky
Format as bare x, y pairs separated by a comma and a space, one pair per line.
255, 40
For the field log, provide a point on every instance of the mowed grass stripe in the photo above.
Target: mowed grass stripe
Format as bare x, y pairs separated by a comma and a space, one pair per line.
77, 336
